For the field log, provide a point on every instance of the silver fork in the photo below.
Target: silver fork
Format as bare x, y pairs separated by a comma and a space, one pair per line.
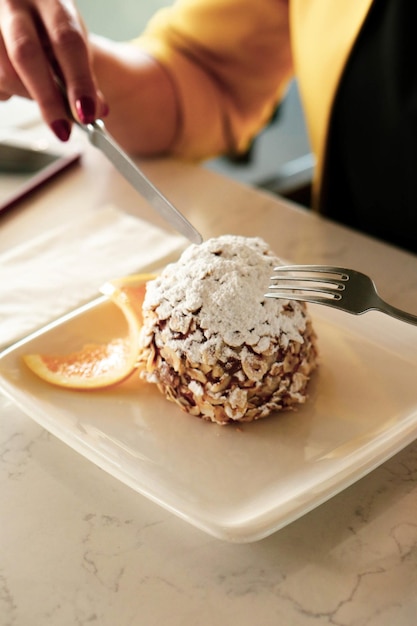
338, 287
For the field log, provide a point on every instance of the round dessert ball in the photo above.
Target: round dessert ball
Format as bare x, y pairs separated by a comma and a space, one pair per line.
215, 345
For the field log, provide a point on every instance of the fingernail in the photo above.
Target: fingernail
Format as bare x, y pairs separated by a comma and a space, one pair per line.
62, 129
86, 109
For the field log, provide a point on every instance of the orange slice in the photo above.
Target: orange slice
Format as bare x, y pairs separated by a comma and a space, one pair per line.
97, 366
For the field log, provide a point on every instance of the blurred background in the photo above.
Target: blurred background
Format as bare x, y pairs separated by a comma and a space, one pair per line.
280, 159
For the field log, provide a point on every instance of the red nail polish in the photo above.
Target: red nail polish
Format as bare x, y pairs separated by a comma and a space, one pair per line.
62, 129
86, 109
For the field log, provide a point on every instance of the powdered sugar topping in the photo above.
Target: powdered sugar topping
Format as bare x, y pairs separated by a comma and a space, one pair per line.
219, 285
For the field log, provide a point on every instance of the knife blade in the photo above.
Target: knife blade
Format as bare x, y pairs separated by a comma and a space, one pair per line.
101, 139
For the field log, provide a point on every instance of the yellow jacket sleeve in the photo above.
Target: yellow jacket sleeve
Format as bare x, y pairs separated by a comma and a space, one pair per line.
230, 62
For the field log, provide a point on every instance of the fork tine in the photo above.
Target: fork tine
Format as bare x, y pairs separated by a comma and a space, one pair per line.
312, 269
300, 297
308, 279
297, 291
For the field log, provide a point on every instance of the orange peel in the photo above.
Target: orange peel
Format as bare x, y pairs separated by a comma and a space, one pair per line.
96, 366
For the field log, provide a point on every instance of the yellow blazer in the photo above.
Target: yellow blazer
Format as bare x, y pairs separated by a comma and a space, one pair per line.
231, 61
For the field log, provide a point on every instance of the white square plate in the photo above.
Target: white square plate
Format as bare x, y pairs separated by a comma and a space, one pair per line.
239, 483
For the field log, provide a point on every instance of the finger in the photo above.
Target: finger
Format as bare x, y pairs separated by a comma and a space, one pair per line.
69, 48
10, 83
27, 57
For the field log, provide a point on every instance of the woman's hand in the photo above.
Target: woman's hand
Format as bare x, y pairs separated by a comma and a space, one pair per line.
35, 37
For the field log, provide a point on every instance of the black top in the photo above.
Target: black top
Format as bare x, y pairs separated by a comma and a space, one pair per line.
370, 180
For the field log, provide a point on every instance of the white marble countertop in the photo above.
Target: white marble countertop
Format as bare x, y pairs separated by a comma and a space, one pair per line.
78, 547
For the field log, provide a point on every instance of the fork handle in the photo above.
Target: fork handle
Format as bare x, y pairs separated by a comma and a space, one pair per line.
384, 307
